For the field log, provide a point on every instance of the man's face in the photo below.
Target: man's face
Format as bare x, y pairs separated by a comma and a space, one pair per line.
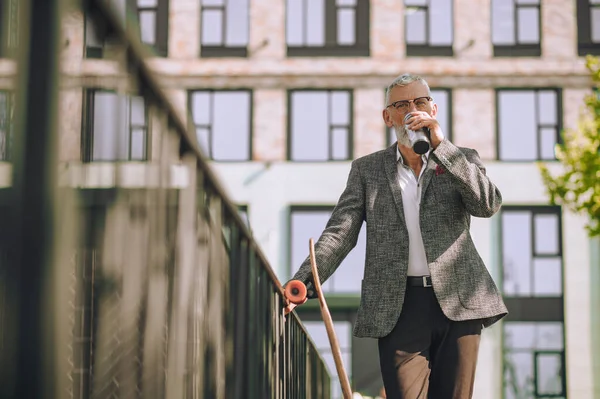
396, 110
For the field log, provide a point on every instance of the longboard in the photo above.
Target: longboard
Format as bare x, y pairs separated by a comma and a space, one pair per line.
296, 293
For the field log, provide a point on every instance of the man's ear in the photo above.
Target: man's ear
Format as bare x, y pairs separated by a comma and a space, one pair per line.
434, 110
387, 118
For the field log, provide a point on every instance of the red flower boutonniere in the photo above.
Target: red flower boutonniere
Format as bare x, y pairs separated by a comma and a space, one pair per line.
439, 170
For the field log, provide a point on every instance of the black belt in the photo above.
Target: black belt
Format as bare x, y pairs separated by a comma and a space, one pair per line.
421, 281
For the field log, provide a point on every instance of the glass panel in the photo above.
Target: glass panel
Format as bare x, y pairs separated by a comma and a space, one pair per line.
310, 126
343, 330
415, 27
201, 107
546, 234
519, 335
440, 22
340, 107
315, 27
111, 133
339, 142
213, 2
530, 2
346, 29
547, 143
318, 333
237, 23
516, 251
517, 125
138, 111
212, 27
442, 99
147, 3
202, 135
294, 28
345, 2
595, 24
148, 26
518, 375
350, 273
503, 24
409, 3
306, 225
231, 126
138, 151
529, 25
549, 374
547, 276
549, 336
547, 105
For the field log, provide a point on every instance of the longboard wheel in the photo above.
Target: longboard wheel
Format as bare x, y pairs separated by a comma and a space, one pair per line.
295, 291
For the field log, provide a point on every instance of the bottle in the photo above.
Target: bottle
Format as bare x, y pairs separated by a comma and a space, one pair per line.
419, 139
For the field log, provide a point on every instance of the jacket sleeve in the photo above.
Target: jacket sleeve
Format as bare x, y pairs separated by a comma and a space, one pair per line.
340, 234
479, 195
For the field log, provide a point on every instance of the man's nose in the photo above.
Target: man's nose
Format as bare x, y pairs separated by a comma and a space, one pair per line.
412, 106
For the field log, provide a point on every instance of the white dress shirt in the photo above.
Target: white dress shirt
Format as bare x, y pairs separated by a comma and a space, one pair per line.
411, 199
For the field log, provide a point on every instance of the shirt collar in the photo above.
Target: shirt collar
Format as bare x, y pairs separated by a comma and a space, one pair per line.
399, 158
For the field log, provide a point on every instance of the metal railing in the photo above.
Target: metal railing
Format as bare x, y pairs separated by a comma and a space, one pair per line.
127, 279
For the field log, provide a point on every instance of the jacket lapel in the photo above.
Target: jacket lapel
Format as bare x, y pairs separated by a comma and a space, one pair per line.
391, 171
427, 175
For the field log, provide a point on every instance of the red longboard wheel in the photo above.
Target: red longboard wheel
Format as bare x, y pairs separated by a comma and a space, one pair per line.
295, 292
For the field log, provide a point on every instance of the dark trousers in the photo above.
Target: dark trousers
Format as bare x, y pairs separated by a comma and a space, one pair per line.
428, 356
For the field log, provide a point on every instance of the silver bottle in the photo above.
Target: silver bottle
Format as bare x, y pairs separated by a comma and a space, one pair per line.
419, 140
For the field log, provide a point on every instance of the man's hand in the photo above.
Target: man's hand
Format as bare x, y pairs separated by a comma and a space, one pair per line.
290, 306
420, 120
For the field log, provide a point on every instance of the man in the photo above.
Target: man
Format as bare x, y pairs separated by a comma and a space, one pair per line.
426, 293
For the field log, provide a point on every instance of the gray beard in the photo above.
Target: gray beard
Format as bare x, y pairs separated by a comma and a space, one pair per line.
401, 135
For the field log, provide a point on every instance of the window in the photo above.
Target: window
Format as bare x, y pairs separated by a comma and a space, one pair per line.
534, 358
529, 124
516, 28
224, 25
9, 21
443, 99
428, 27
343, 331
588, 27
6, 124
327, 27
116, 127
223, 123
320, 127
309, 222
153, 18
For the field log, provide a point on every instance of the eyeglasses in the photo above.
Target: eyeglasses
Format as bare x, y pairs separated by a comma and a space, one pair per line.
404, 105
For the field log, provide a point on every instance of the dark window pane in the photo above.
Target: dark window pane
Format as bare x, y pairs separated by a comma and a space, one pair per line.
517, 125
516, 253
237, 23
415, 27
346, 27
212, 27
310, 126
440, 23
503, 28
529, 25
231, 126
549, 374
148, 26
315, 25
295, 18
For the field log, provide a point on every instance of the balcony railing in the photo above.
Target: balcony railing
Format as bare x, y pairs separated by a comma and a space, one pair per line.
134, 279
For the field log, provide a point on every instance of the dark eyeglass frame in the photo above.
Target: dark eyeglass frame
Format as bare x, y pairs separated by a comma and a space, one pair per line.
396, 104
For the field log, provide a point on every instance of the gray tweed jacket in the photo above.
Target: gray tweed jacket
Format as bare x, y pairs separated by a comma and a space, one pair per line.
455, 187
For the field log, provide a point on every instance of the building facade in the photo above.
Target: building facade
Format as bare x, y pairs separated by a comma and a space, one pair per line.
284, 94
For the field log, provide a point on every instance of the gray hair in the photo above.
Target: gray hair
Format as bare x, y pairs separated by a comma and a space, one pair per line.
405, 80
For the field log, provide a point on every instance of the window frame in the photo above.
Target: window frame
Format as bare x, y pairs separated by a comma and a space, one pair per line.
559, 120
208, 51
428, 50
10, 108
517, 49
331, 48
585, 45
190, 94
87, 128
350, 125
161, 32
